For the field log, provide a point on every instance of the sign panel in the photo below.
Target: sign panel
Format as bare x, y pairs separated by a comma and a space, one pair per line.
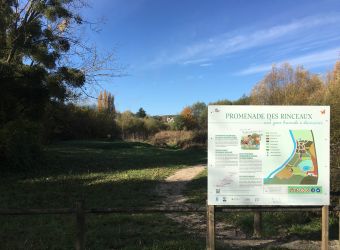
268, 155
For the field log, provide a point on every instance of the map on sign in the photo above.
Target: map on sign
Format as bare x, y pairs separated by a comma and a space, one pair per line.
301, 167
268, 155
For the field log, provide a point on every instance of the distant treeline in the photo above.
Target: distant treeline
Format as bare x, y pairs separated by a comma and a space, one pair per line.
283, 85
22, 138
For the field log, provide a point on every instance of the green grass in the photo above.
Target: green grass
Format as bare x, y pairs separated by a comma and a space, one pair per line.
104, 174
109, 231
303, 225
196, 190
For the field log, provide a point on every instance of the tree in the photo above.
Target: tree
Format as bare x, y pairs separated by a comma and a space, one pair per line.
141, 113
243, 100
200, 114
332, 98
178, 124
35, 38
43, 61
100, 102
151, 125
188, 118
133, 127
105, 102
222, 102
42, 56
125, 121
268, 91
285, 85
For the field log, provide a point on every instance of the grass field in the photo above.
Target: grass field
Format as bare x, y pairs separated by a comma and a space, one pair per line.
104, 174
119, 174
302, 225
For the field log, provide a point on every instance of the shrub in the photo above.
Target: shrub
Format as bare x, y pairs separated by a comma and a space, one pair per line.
133, 127
178, 123
179, 139
200, 137
68, 122
152, 125
172, 138
20, 145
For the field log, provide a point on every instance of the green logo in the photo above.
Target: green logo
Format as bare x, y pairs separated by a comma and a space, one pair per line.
304, 189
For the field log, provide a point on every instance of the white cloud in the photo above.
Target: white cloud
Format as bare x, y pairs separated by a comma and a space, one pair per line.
195, 61
206, 64
194, 77
311, 60
229, 43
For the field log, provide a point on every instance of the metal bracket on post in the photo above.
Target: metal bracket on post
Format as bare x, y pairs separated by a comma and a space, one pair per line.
210, 227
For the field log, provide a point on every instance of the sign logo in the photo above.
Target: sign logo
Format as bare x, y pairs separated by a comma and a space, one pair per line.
304, 189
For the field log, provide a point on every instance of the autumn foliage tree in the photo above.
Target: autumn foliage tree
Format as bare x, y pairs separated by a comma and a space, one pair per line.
188, 118
285, 85
331, 97
105, 102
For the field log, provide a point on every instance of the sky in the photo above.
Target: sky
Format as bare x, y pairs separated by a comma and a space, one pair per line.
175, 53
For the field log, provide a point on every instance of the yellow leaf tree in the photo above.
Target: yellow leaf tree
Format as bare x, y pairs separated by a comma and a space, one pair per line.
106, 102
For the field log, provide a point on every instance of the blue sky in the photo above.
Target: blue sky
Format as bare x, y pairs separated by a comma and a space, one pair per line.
179, 52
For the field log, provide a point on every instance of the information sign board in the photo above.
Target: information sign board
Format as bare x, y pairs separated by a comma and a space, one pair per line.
268, 155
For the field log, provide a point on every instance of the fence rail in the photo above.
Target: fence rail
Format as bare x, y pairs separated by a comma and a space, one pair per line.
165, 209
80, 213
127, 210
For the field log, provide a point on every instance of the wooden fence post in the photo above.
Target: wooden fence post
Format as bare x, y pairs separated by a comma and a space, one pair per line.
324, 228
210, 227
257, 224
80, 225
339, 222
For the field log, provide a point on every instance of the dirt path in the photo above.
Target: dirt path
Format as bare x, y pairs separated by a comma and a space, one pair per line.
174, 185
172, 191
230, 236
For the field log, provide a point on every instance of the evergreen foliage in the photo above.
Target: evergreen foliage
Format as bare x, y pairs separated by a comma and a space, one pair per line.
141, 113
39, 47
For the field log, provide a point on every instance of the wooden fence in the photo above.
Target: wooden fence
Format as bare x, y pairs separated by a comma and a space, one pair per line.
80, 212
257, 219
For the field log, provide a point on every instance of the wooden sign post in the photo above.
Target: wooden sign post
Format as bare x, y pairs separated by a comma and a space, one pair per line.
324, 228
210, 227
262, 157
80, 225
257, 224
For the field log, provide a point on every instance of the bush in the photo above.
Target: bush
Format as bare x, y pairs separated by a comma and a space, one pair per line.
179, 139
178, 123
69, 122
152, 125
136, 128
200, 137
20, 145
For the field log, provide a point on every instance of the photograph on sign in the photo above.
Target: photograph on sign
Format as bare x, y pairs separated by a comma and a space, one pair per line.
268, 155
